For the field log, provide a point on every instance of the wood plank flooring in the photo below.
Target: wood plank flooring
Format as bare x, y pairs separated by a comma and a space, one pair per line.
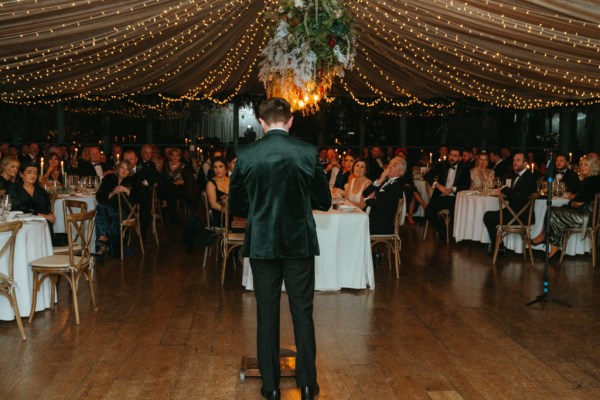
452, 327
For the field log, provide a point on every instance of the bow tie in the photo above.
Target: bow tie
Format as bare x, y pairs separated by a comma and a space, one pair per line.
561, 172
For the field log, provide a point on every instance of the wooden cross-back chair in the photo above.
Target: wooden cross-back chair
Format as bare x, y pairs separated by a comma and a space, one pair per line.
392, 241
130, 222
71, 266
230, 240
70, 207
443, 214
7, 282
217, 230
517, 224
591, 231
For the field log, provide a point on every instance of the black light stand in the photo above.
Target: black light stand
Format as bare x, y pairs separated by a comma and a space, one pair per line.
544, 297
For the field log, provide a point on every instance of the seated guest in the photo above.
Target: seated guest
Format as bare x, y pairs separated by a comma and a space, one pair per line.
95, 166
176, 183
342, 176
498, 164
481, 175
107, 210
578, 213
333, 167
467, 158
382, 197
29, 196
9, 168
522, 185
353, 190
563, 173
144, 176
446, 178
53, 172
216, 188
375, 163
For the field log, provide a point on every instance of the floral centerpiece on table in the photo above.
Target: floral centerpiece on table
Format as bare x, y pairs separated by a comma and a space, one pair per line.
312, 42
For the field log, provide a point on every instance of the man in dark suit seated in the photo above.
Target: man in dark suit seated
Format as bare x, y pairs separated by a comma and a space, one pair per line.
375, 163
94, 167
500, 166
275, 183
564, 174
144, 175
522, 184
382, 197
447, 179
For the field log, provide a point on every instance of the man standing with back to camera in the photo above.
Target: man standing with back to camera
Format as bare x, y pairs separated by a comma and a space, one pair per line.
276, 183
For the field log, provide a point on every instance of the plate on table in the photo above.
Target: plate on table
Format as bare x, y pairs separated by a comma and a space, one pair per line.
346, 208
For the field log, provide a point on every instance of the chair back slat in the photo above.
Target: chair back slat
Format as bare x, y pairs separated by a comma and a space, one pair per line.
73, 207
125, 203
13, 228
398, 216
206, 210
596, 212
83, 225
225, 215
516, 217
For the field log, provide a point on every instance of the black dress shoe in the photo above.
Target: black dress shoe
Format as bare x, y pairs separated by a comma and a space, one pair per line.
270, 394
309, 392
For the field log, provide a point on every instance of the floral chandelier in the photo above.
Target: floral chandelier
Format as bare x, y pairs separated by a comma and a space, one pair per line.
313, 42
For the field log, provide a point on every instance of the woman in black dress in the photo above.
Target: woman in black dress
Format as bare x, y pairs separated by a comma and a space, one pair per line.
9, 169
576, 214
107, 210
216, 188
30, 197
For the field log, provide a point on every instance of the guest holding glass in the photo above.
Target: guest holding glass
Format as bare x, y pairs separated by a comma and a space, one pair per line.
353, 190
107, 209
578, 213
481, 175
216, 188
30, 197
53, 171
9, 169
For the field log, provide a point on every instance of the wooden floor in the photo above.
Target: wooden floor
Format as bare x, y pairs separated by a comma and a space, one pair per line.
452, 327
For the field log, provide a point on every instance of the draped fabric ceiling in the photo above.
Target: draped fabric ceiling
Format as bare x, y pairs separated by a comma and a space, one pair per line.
517, 53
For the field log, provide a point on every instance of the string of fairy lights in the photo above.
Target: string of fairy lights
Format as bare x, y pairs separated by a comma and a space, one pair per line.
505, 53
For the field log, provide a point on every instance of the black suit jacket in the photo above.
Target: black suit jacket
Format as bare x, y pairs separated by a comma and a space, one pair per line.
144, 177
374, 169
87, 169
571, 180
383, 205
501, 170
276, 182
519, 194
462, 178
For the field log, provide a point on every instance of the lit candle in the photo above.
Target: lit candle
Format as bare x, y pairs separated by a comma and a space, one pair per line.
117, 157
430, 157
532, 167
62, 167
42, 165
570, 157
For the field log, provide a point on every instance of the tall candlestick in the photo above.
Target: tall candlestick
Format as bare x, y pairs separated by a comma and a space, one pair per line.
570, 157
42, 167
117, 157
430, 157
62, 167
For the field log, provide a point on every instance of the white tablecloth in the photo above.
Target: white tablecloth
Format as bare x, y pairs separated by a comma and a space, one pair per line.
421, 186
345, 260
468, 222
59, 225
33, 242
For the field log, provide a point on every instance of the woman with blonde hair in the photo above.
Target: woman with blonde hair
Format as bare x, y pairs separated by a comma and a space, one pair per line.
481, 174
576, 214
9, 169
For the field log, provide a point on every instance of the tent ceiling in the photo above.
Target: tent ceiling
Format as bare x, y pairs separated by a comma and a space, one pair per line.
523, 53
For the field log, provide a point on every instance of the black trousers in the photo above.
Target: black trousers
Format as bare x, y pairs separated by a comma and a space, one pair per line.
299, 277
437, 204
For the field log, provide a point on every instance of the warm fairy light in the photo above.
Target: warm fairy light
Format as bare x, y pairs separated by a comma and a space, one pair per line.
531, 56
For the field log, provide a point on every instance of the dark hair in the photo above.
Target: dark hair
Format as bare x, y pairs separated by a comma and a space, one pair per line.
28, 164
51, 155
360, 159
275, 110
222, 160
561, 155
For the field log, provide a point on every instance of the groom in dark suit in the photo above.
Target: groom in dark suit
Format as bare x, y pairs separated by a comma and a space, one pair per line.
447, 179
276, 183
522, 185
